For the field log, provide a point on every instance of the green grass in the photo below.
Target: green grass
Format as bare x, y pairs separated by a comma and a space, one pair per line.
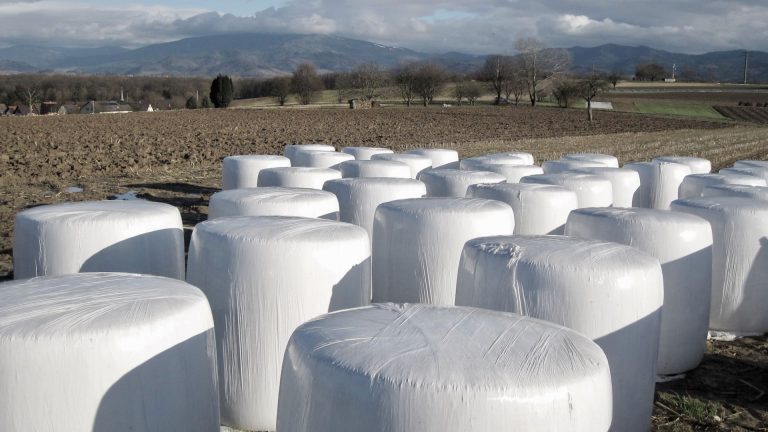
685, 109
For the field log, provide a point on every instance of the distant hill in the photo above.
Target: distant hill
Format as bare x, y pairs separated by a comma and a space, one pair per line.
256, 54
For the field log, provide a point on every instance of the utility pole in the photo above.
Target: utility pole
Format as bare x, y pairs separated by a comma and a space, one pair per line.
746, 65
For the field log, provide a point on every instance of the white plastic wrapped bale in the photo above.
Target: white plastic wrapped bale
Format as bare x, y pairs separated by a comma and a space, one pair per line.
290, 150
693, 185
441, 158
683, 245
106, 352
475, 163
751, 164
374, 168
754, 192
697, 165
417, 245
320, 159
99, 236
297, 177
591, 190
365, 153
274, 201
759, 172
243, 171
606, 160
561, 166
625, 183
359, 197
454, 183
513, 173
441, 369
264, 276
417, 163
539, 209
526, 156
611, 293
740, 262
659, 183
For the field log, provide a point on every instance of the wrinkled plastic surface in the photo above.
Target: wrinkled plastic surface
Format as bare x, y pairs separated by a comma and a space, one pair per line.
683, 245
751, 163
320, 159
659, 183
591, 190
697, 165
527, 156
359, 197
274, 201
441, 158
106, 352
625, 183
290, 150
693, 185
561, 166
99, 236
243, 171
374, 168
476, 163
609, 292
417, 163
417, 244
454, 183
606, 160
513, 173
365, 153
754, 192
539, 209
264, 276
297, 177
740, 261
441, 369
759, 172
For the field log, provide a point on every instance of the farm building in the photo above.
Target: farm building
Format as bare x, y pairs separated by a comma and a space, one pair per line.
104, 107
49, 107
17, 110
69, 108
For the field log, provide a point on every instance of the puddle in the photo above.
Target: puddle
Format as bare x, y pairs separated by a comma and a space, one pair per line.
74, 189
128, 196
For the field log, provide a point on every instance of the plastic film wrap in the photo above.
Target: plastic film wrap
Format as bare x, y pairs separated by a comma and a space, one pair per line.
759, 172
359, 197
291, 149
561, 166
693, 185
475, 163
606, 160
441, 158
417, 245
539, 209
754, 192
751, 164
740, 261
417, 163
659, 183
683, 245
526, 156
264, 276
513, 173
591, 190
320, 159
625, 183
297, 177
441, 369
99, 236
697, 165
365, 153
243, 171
454, 183
274, 201
374, 168
611, 293
106, 352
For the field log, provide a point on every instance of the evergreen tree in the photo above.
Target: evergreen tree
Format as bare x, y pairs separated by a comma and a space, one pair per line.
222, 91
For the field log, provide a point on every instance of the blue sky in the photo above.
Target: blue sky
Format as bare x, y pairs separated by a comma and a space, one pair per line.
478, 27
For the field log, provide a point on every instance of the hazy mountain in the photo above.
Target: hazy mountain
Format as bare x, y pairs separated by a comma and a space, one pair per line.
276, 54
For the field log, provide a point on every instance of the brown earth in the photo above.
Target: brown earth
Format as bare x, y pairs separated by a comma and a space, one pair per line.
744, 113
175, 157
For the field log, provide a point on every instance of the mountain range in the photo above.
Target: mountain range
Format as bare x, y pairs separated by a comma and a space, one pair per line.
265, 55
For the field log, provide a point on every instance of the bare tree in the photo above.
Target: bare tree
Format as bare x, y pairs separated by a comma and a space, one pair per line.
281, 89
614, 78
429, 80
459, 92
30, 95
540, 63
589, 87
497, 70
306, 83
405, 77
565, 89
472, 91
368, 77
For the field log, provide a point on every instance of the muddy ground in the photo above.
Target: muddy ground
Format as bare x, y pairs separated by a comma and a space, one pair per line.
175, 157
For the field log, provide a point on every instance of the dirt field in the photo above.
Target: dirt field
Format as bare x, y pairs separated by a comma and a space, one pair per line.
175, 157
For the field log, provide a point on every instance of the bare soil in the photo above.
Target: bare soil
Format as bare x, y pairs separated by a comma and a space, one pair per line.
175, 157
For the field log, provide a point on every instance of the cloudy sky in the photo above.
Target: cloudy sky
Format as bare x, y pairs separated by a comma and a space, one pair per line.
472, 26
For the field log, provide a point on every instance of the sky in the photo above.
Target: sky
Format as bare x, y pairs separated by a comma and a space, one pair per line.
470, 26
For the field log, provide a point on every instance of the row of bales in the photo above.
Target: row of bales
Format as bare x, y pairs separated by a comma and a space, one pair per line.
372, 290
